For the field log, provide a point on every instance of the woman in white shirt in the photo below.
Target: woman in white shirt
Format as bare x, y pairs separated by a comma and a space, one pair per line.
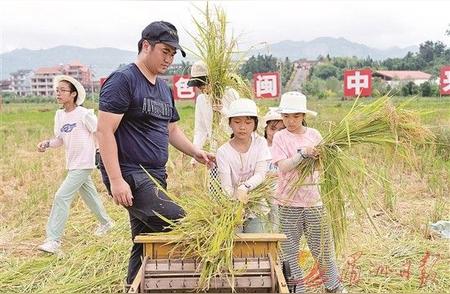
204, 108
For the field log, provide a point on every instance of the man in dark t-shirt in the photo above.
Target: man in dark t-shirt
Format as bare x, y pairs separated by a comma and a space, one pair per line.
136, 122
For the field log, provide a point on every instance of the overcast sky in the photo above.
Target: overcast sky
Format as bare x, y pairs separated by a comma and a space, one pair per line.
92, 24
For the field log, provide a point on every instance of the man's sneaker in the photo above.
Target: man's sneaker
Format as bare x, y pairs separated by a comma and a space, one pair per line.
126, 286
104, 228
50, 246
338, 289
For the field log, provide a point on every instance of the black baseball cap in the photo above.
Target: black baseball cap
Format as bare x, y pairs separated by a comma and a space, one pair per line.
162, 32
197, 81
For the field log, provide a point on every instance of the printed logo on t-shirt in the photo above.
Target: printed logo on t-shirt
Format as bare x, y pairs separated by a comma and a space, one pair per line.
157, 108
67, 128
244, 175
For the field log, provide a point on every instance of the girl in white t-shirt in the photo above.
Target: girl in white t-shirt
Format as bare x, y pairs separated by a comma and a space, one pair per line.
242, 161
74, 128
302, 212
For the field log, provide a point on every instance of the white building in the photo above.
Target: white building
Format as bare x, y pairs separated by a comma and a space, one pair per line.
396, 77
42, 81
21, 82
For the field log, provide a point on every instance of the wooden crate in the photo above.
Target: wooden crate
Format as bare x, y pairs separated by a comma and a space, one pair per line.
246, 245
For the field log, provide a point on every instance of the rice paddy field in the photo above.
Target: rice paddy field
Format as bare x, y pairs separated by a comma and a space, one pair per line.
400, 256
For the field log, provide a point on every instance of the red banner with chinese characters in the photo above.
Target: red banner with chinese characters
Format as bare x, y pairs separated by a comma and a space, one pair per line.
181, 91
357, 82
444, 81
267, 84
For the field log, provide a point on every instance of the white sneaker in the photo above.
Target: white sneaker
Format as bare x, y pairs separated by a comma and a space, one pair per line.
50, 246
104, 228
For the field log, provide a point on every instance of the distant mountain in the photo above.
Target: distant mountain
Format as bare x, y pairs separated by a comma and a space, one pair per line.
105, 60
333, 47
102, 60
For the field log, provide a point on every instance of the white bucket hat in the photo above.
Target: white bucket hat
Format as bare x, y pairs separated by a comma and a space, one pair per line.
80, 89
199, 74
242, 107
294, 102
272, 114
199, 69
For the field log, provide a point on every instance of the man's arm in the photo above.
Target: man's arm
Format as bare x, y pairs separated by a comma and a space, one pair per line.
107, 126
179, 140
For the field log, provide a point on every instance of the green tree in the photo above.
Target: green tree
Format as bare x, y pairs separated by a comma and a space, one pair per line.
379, 87
409, 89
260, 63
435, 90
312, 87
286, 69
180, 69
425, 89
431, 50
325, 71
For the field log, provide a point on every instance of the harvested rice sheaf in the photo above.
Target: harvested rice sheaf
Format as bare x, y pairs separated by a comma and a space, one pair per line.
379, 123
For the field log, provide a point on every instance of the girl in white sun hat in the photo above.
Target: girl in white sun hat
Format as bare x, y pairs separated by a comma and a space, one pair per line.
272, 122
302, 212
242, 161
74, 128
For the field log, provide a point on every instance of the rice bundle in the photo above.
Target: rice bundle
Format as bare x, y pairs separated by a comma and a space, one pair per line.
261, 197
219, 53
208, 229
379, 123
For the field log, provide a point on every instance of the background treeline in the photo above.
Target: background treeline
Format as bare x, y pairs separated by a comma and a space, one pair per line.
267, 63
325, 78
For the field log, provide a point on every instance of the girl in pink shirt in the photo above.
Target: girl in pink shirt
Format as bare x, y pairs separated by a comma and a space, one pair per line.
242, 161
300, 209
74, 128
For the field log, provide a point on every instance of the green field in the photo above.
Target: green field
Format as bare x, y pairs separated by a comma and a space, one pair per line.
403, 259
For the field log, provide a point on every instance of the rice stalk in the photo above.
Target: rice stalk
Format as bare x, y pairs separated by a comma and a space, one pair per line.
219, 52
389, 195
261, 197
379, 123
206, 232
208, 228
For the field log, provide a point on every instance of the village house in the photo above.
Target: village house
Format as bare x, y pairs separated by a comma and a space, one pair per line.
21, 82
396, 77
42, 80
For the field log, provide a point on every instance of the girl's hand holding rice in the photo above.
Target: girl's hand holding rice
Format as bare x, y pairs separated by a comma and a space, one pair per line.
241, 194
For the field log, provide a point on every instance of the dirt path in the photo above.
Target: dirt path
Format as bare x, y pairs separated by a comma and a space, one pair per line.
299, 76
